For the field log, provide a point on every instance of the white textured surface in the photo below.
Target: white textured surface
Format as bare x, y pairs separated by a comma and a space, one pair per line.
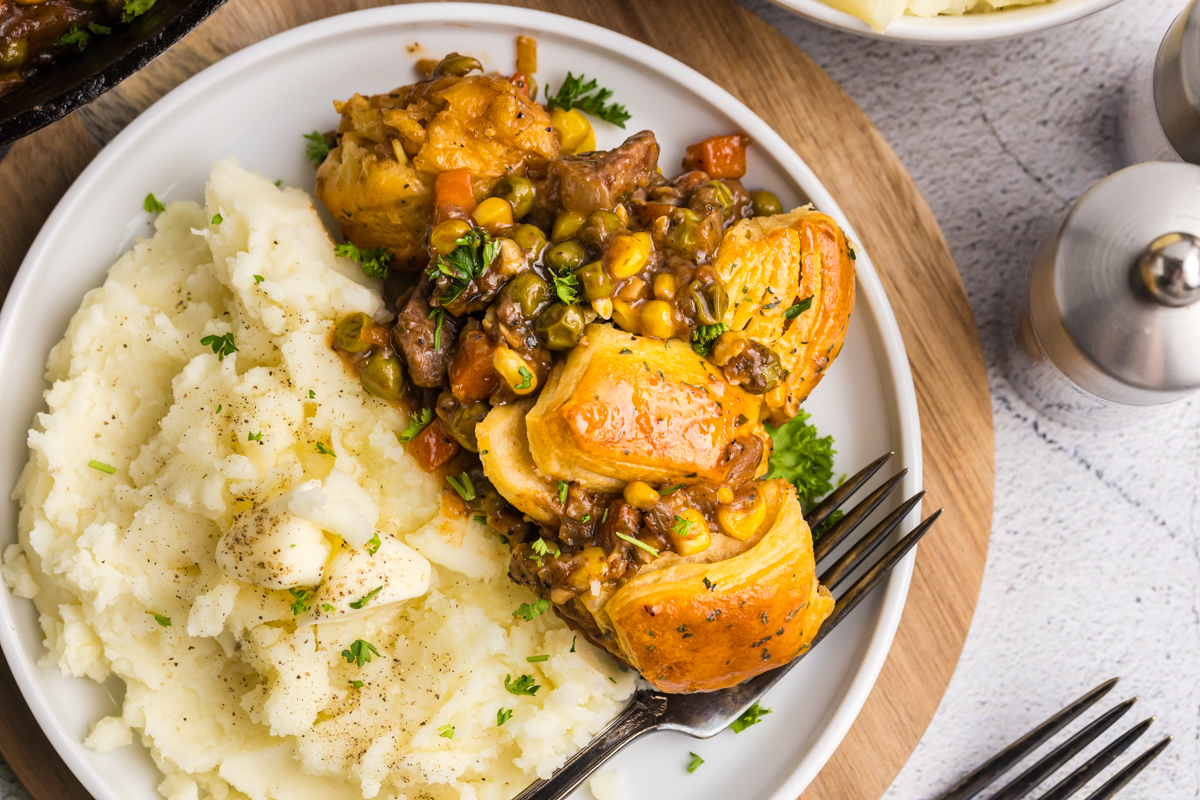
1094, 566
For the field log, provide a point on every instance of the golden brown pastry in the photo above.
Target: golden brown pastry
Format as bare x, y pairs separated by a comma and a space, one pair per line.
625, 407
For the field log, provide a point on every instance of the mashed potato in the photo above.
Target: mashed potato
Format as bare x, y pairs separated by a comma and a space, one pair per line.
880, 13
236, 692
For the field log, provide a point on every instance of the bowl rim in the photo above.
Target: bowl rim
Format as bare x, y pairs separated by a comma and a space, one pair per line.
989, 26
788, 784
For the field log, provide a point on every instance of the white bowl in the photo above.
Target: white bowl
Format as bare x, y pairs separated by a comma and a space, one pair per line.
953, 29
255, 105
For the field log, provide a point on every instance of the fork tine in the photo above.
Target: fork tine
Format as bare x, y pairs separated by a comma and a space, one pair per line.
1016, 752
1096, 764
851, 559
1033, 777
846, 525
1117, 782
872, 577
823, 509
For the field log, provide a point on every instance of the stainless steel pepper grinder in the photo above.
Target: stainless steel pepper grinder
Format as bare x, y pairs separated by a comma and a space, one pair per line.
1160, 116
1109, 322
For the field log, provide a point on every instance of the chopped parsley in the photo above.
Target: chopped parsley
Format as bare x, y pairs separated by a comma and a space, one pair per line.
802, 457
695, 763
566, 284
751, 716
312, 395
437, 331
562, 493
373, 262
682, 527
704, 336
134, 9
638, 543
529, 612
853, 256
323, 450
359, 653
503, 716
588, 98
356, 684
161, 620
709, 585
446, 731
328, 609
542, 548
669, 489
537, 659
462, 484
221, 345
361, 603
526, 378
151, 203
417, 423
474, 253
794, 311
374, 544
100, 465
218, 219
300, 598
573, 638
254, 437
523, 685
317, 147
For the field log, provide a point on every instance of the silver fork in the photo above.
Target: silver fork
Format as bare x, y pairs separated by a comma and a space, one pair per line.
704, 715
1040, 772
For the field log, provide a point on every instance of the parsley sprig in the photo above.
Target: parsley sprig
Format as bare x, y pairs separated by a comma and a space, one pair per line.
317, 147
588, 98
638, 543
566, 285
503, 715
362, 602
416, 424
472, 255
802, 457
695, 763
523, 685
359, 653
751, 716
221, 345
462, 484
799, 308
300, 598
529, 612
373, 262
135, 8
682, 527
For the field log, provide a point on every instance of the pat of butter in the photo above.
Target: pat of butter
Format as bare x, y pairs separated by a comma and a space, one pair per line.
349, 590
339, 506
273, 548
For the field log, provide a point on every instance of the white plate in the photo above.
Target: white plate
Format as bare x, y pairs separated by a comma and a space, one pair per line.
255, 105
947, 29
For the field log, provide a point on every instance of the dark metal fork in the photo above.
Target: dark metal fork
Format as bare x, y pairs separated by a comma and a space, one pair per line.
1040, 772
704, 715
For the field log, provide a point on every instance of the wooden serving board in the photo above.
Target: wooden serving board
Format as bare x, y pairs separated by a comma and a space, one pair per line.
764, 70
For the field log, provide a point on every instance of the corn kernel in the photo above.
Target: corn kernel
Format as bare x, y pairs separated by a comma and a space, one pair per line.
691, 533
641, 495
625, 317
657, 319
627, 254
593, 567
445, 235
565, 225
572, 128
514, 371
725, 495
623, 213
492, 213
603, 307
664, 286
742, 521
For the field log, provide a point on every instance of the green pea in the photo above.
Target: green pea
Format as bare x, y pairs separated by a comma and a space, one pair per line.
711, 301
596, 283
765, 204
382, 375
568, 255
560, 326
462, 422
598, 227
530, 292
347, 336
531, 240
518, 191
455, 64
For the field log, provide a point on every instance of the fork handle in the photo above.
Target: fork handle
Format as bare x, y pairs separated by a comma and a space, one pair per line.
640, 717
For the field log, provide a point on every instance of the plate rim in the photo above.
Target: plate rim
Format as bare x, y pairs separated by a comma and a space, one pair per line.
787, 784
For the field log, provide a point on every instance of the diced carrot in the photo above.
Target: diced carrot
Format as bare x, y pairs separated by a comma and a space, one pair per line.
433, 447
521, 81
472, 375
719, 156
452, 194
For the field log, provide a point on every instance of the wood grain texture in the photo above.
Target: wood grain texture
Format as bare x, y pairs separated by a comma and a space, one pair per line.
760, 67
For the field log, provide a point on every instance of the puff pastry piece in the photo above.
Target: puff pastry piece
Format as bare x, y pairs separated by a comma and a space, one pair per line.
690, 625
625, 407
769, 264
504, 451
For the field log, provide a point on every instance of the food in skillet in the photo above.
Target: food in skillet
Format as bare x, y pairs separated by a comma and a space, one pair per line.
595, 351
35, 33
